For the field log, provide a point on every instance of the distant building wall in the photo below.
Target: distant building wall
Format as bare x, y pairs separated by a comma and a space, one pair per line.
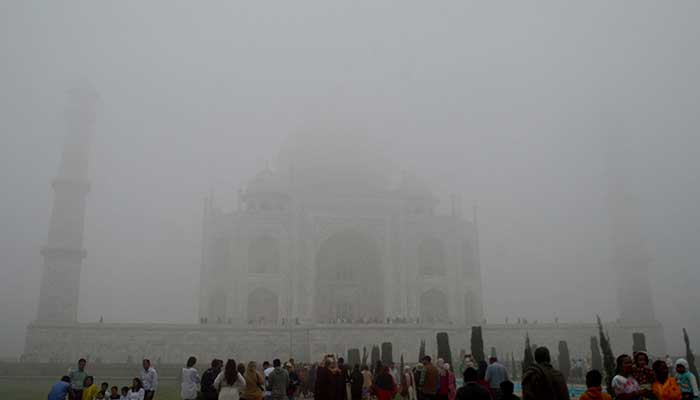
172, 344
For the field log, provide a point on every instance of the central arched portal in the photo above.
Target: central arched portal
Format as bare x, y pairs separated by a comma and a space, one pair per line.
349, 279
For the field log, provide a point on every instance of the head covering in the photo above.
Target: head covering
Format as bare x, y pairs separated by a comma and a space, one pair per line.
683, 362
684, 379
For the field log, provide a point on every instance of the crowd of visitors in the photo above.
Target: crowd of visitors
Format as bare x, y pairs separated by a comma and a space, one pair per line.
78, 385
333, 379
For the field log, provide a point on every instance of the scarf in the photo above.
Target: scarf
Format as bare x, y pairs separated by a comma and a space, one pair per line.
684, 379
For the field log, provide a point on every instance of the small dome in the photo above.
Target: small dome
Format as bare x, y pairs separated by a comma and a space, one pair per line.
413, 188
266, 182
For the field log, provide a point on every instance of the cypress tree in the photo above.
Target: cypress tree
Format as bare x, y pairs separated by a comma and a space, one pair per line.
443, 344
364, 356
375, 356
421, 351
564, 360
596, 358
528, 357
608, 357
639, 342
387, 353
477, 342
689, 356
353, 357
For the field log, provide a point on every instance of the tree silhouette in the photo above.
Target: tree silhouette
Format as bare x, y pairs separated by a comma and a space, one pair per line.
443, 345
608, 356
387, 353
477, 342
690, 357
596, 357
639, 342
564, 360
528, 357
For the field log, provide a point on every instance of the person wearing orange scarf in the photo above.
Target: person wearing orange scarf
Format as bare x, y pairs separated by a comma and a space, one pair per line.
665, 387
594, 380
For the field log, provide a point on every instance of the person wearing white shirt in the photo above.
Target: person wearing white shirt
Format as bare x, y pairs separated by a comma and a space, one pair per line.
189, 379
229, 382
267, 370
149, 377
136, 392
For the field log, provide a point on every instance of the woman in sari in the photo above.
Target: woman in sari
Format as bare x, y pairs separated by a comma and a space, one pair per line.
665, 387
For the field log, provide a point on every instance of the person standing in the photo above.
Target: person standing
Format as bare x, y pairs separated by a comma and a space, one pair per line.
594, 384
189, 379
77, 378
90, 389
294, 381
229, 382
385, 385
496, 373
471, 390
60, 389
451, 382
367, 383
408, 387
443, 392
642, 371
149, 377
431, 379
665, 387
278, 381
541, 381
356, 381
324, 385
137, 392
340, 388
254, 383
624, 384
208, 390
686, 380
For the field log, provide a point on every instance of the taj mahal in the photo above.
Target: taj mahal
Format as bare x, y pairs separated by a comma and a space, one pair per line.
323, 252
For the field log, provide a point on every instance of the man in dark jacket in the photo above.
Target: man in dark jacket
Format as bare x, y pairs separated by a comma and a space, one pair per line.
208, 390
542, 382
278, 381
472, 390
324, 388
431, 379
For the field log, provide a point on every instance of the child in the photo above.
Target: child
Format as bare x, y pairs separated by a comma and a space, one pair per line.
104, 388
114, 393
507, 389
686, 380
89, 388
594, 380
125, 393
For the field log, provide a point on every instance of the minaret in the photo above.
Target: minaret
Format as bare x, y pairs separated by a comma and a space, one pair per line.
630, 257
64, 251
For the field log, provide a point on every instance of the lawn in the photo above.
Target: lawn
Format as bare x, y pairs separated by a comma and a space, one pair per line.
38, 388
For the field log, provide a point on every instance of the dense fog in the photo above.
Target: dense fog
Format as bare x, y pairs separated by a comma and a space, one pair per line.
522, 109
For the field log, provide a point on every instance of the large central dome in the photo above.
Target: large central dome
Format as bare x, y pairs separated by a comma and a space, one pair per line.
335, 159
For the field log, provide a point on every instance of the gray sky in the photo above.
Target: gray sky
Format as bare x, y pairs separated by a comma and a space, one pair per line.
497, 101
